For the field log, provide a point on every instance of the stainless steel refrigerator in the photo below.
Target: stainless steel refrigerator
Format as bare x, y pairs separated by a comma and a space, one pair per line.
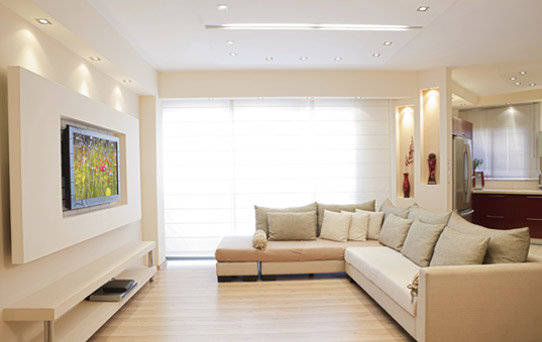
462, 167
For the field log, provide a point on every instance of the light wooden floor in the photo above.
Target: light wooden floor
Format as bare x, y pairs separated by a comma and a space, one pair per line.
185, 303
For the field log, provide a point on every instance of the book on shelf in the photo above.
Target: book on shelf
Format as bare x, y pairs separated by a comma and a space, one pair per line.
113, 291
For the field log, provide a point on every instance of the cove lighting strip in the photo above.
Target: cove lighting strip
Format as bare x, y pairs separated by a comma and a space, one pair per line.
327, 27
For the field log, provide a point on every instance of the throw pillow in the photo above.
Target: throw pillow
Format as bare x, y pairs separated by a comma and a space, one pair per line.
369, 206
394, 232
388, 208
375, 223
420, 242
455, 248
261, 214
335, 226
426, 216
359, 225
259, 239
292, 226
510, 245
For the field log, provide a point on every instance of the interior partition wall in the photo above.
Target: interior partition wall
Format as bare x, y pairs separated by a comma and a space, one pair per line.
222, 157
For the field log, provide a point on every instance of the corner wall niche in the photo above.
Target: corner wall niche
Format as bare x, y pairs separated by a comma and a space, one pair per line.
430, 132
405, 141
36, 107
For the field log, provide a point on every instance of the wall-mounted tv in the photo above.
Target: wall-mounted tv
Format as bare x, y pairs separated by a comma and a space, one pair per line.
92, 167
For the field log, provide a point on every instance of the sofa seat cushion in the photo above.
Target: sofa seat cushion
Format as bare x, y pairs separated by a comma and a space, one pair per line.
387, 269
239, 249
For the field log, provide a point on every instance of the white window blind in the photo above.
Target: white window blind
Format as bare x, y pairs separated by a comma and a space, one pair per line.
223, 157
505, 139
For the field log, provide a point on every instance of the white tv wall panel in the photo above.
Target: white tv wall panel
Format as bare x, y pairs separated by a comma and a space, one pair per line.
36, 107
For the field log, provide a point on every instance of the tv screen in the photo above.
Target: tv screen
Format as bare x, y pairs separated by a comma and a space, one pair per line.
92, 159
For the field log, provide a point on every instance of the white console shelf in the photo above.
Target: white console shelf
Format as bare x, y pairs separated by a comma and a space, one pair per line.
62, 306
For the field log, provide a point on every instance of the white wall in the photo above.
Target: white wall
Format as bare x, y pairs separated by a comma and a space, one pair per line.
22, 44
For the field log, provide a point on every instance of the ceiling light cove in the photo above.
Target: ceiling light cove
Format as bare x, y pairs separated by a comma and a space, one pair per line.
325, 27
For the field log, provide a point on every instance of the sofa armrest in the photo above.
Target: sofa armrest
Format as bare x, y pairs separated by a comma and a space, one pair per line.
497, 302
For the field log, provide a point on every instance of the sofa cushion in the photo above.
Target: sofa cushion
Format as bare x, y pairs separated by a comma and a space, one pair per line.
420, 242
510, 245
426, 216
292, 226
387, 269
335, 226
394, 232
455, 248
261, 214
388, 208
375, 223
359, 225
369, 206
239, 249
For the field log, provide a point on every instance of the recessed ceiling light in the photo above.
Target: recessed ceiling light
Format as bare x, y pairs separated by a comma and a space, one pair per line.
229, 42
295, 26
338, 59
268, 58
260, 98
127, 81
43, 21
211, 98
518, 83
387, 43
532, 84
508, 103
376, 54
512, 78
233, 54
358, 98
522, 72
422, 8
95, 58
222, 7
304, 58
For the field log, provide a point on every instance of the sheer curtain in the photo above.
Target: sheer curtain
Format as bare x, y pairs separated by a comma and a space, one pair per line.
505, 139
223, 157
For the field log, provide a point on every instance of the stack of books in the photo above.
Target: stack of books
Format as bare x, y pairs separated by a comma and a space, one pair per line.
113, 291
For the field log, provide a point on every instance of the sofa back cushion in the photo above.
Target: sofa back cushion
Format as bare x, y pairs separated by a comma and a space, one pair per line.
292, 226
426, 216
455, 248
369, 206
375, 223
388, 208
510, 245
335, 226
394, 231
261, 214
420, 242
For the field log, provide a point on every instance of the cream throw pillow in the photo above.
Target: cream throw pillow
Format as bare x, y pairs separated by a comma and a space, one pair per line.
394, 232
388, 208
359, 225
426, 216
292, 226
375, 223
510, 245
261, 214
335, 226
369, 206
455, 248
420, 242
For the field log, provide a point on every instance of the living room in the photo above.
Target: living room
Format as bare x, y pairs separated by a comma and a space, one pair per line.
287, 107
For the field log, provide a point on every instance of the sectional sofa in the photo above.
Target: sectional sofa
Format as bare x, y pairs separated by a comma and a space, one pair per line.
473, 283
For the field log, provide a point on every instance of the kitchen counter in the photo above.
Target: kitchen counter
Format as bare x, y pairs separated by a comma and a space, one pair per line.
508, 192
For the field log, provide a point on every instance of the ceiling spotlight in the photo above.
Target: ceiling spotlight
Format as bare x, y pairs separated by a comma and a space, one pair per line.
387, 43
358, 98
233, 54
522, 72
43, 21
127, 81
268, 58
422, 8
222, 7
376, 54
229, 42
304, 58
338, 59
532, 84
95, 58
512, 78
260, 98
211, 98
518, 83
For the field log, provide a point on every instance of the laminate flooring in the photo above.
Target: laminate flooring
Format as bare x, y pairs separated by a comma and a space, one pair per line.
185, 303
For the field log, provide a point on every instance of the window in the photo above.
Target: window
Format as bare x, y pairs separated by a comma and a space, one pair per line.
505, 139
223, 157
